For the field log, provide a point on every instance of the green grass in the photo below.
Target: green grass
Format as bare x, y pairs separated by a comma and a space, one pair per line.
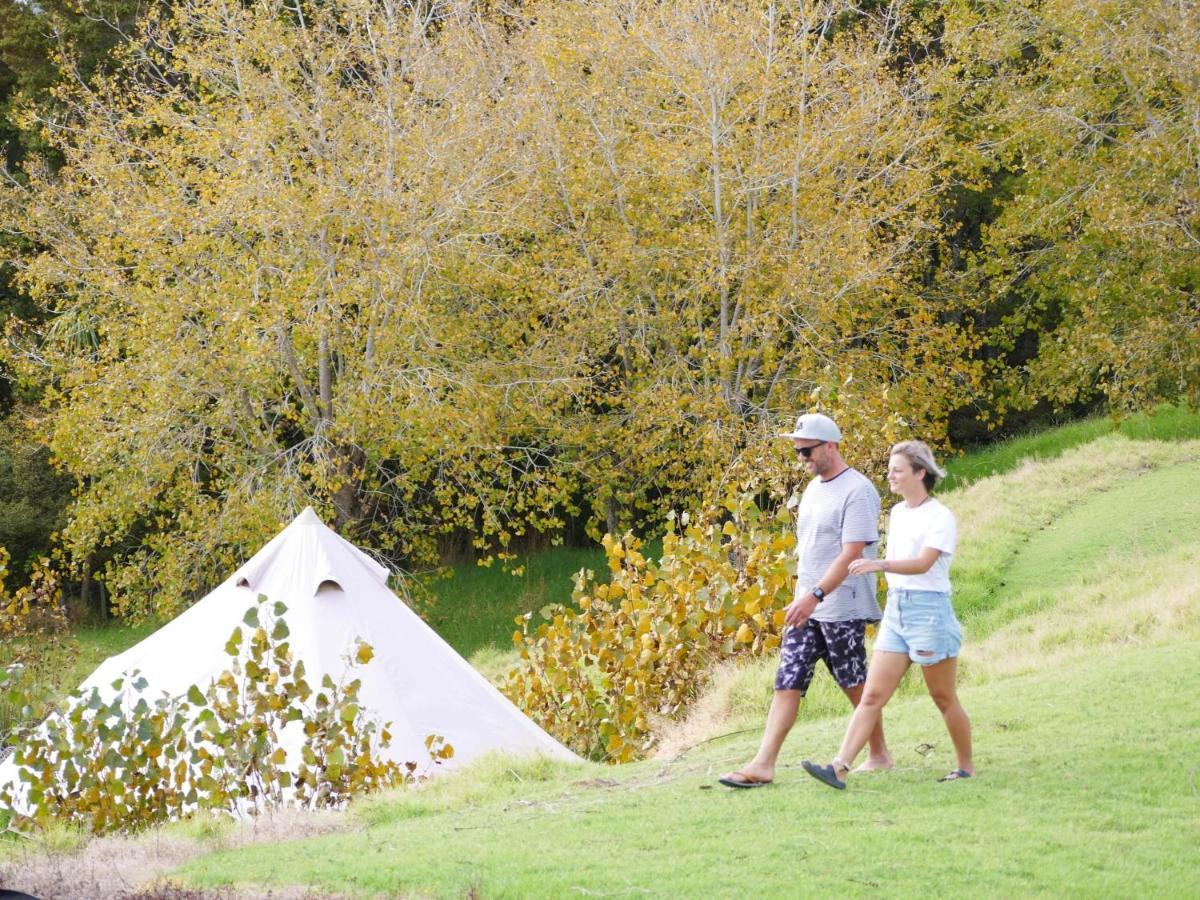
1167, 423
475, 607
98, 643
1074, 579
1153, 513
1135, 526
1087, 777
1085, 788
1001, 519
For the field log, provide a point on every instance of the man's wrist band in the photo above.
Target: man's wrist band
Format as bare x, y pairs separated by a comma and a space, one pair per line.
818, 593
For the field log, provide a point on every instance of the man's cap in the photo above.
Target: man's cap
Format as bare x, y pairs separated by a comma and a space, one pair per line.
815, 427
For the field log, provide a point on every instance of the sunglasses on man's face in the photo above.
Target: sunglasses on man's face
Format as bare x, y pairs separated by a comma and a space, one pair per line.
806, 452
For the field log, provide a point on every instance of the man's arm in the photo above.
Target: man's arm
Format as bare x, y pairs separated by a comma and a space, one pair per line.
802, 607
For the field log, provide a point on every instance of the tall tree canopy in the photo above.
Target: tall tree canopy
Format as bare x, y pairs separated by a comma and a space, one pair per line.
437, 267
1090, 114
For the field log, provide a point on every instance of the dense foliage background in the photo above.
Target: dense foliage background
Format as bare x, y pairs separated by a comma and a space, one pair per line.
461, 272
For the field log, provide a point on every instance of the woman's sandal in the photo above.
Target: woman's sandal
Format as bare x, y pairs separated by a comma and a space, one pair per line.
828, 774
955, 775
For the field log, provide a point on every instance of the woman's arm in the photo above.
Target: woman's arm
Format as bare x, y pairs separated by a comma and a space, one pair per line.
918, 565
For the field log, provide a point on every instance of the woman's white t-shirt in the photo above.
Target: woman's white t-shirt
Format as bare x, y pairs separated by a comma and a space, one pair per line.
911, 530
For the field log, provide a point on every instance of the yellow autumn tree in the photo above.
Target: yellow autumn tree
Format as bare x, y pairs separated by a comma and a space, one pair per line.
1080, 120
745, 198
252, 263
441, 267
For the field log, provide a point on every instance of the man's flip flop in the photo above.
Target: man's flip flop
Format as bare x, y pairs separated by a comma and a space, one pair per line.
743, 780
956, 775
824, 774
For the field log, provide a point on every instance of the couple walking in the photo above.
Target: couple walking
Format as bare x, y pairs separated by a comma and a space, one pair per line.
836, 538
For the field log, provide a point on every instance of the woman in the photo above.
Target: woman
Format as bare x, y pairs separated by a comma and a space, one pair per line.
919, 624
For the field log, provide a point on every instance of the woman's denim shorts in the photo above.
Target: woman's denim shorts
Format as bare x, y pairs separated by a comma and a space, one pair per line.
921, 624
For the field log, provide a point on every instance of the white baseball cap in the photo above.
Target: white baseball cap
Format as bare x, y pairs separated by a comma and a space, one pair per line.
815, 427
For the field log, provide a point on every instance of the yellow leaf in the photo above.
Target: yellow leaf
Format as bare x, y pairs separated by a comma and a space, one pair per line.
365, 654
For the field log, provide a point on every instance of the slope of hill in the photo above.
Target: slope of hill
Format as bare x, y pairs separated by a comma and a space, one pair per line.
1076, 582
1086, 786
1081, 607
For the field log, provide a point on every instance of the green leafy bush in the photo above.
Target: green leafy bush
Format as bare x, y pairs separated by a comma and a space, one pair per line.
639, 646
35, 608
124, 761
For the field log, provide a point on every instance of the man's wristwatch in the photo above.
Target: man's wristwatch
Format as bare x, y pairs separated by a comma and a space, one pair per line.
818, 593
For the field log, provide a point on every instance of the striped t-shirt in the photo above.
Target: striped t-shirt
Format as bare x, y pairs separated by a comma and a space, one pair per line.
831, 513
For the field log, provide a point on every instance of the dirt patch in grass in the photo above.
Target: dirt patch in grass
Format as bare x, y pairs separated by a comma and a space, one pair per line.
134, 868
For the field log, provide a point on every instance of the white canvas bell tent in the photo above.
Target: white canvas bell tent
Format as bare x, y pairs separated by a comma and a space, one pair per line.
336, 595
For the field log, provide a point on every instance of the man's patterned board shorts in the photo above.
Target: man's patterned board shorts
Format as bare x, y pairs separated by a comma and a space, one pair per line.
842, 645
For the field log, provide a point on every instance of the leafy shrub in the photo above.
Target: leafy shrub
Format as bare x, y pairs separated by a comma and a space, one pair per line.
122, 763
35, 608
37, 647
639, 646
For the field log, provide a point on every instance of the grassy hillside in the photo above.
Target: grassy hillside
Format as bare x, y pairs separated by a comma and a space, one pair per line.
1083, 788
1078, 582
1167, 423
1075, 572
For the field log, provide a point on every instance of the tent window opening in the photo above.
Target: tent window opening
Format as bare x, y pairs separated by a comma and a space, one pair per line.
330, 584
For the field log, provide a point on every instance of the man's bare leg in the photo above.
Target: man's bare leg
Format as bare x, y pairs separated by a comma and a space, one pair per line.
780, 719
878, 757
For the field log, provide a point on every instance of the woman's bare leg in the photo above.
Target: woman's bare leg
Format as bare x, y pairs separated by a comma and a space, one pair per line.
940, 679
879, 757
883, 675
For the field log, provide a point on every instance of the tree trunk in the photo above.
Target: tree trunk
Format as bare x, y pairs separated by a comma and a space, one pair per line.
347, 503
85, 589
612, 516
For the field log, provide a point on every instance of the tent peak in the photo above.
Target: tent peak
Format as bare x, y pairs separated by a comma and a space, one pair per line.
308, 517
309, 552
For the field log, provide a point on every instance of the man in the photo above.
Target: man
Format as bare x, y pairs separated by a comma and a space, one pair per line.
837, 521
